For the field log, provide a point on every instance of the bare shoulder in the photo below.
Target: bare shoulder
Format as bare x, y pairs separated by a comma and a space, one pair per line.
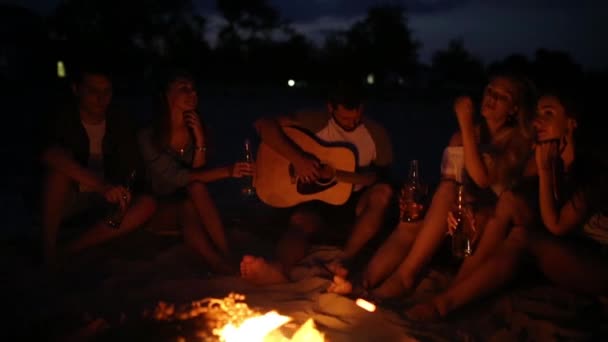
456, 139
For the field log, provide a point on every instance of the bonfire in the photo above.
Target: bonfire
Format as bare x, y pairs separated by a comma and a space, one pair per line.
231, 320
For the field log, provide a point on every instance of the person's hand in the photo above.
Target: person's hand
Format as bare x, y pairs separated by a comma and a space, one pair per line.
241, 169
307, 168
546, 153
452, 223
326, 172
117, 194
463, 107
469, 218
193, 122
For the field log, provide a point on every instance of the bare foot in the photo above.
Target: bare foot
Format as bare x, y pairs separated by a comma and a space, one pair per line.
424, 312
340, 286
260, 272
394, 286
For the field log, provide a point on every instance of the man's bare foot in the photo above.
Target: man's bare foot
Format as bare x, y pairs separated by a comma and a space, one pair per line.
340, 286
394, 286
260, 272
424, 312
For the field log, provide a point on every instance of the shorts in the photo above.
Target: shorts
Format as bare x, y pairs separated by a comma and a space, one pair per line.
336, 221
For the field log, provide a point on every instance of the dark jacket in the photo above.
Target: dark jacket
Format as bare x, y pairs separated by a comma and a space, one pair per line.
120, 151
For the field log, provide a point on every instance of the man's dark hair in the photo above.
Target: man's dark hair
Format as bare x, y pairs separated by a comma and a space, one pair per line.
90, 68
349, 94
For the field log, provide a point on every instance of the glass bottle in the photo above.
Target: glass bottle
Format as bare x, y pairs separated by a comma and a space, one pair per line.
248, 188
412, 196
461, 236
117, 213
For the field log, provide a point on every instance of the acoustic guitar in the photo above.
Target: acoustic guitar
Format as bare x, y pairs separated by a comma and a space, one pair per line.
278, 186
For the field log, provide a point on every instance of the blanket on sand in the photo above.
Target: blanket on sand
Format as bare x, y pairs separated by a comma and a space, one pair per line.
103, 297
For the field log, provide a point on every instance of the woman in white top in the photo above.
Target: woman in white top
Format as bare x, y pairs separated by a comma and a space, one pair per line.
571, 188
488, 157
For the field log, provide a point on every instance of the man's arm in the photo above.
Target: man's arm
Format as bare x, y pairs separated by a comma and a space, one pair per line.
271, 133
60, 160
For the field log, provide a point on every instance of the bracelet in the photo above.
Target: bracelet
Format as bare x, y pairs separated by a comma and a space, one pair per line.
200, 148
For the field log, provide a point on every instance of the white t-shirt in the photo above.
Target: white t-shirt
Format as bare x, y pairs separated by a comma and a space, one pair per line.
360, 138
95, 132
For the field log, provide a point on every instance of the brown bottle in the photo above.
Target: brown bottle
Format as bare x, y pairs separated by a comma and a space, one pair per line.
461, 237
248, 187
412, 197
115, 217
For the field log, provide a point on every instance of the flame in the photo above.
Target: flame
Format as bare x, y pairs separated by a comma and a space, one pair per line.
263, 328
254, 328
238, 322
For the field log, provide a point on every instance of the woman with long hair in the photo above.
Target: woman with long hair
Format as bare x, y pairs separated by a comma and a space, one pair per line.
568, 243
488, 157
175, 153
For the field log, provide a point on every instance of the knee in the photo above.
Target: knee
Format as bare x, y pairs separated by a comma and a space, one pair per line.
519, 236
381, 195
148, 203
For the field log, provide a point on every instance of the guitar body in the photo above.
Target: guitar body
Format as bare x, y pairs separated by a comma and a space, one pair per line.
277, 186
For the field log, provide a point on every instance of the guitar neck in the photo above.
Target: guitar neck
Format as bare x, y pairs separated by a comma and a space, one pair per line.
348, 177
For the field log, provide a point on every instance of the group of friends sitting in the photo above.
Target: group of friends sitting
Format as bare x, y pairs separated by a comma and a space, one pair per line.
536, 188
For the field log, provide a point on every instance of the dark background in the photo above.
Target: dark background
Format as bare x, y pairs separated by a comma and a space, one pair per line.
244, 51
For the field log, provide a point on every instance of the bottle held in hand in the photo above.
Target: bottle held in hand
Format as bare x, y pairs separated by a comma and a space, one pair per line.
117, 213
248, 188
461, 236
413, 195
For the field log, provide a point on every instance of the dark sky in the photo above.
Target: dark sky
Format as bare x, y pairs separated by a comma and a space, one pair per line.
491, 29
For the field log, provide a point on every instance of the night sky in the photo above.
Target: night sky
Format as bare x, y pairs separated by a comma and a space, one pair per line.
491, 29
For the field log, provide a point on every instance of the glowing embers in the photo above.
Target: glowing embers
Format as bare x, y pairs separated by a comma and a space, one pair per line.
231, 320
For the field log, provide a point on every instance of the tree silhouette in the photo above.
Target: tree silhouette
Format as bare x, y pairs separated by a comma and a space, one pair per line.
457, 67
129, 34
256, 44
381, 43
249, 19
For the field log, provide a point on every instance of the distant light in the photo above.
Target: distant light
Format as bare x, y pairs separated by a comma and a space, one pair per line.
370, 79
60, 69
291, 83
362, 303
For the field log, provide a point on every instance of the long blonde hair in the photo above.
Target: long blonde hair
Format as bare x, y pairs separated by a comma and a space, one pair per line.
511, 146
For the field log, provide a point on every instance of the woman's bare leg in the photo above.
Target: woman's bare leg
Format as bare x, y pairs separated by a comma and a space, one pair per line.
209, 215
493, 273
196, 238
428, 240
390, 254
510, 210
569, 265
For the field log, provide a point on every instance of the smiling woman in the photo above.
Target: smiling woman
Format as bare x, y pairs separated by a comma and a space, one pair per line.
175, 154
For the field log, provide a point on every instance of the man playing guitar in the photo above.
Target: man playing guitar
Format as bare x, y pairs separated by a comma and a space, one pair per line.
363, 212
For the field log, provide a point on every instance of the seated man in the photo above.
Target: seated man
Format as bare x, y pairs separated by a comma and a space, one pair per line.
90, 153
364, 212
